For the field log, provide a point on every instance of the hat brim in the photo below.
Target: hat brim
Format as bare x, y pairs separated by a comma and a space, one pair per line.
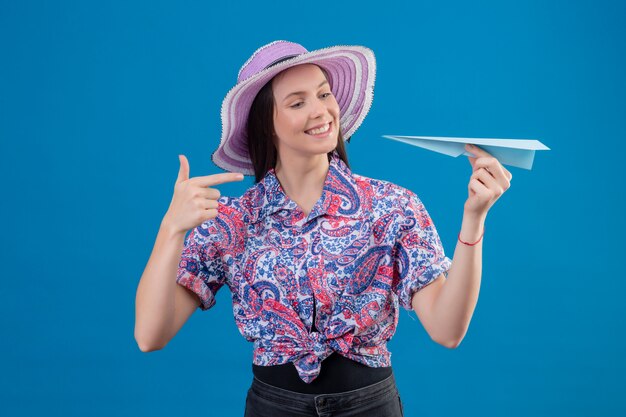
351, 71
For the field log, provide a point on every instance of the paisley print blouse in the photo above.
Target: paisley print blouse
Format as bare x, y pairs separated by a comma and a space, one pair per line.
366, 246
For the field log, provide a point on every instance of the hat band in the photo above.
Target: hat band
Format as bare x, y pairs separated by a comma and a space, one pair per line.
278, 61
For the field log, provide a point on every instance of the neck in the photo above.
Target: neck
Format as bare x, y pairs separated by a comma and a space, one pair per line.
303, 179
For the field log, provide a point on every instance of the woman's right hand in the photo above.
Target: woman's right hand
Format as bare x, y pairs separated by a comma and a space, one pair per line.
194, 201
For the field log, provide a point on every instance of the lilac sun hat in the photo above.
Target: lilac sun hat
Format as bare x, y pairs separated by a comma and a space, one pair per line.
351, 71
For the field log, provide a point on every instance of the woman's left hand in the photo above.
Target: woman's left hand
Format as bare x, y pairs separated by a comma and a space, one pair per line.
488, 182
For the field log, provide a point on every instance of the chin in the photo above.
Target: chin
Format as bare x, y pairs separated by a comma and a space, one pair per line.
331, 146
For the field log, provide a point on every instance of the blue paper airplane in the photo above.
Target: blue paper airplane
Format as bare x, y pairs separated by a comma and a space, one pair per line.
515, 152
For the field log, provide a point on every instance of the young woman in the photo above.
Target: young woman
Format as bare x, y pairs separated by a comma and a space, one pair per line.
318, 259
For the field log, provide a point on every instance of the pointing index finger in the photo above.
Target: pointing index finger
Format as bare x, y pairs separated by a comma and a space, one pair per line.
215, 179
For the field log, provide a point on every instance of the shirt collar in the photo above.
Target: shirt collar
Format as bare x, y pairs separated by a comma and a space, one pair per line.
340, 195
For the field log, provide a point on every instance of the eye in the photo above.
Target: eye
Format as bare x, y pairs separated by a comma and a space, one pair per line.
326, 95
297, 105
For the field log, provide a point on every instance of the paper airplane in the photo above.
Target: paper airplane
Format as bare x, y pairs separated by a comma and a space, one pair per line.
515, 152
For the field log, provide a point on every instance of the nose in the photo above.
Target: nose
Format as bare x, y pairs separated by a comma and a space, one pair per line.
318, 109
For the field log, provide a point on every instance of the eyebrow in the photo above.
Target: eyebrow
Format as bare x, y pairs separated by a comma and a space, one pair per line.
295, 93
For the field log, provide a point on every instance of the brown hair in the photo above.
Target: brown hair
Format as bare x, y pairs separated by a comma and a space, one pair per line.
260, 128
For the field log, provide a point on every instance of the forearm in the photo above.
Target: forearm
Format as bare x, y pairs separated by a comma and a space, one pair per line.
154, 303
454, 306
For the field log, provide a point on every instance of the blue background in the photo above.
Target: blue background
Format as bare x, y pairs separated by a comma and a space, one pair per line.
98, 99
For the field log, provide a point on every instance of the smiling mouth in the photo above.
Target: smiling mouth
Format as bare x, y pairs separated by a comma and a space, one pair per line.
319, 130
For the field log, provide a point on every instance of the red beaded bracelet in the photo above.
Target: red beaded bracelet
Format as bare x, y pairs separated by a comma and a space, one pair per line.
472, 244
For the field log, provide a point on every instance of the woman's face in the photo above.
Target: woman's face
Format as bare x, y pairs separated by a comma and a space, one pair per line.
306, 114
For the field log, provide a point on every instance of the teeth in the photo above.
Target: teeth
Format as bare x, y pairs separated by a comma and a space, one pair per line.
320, 130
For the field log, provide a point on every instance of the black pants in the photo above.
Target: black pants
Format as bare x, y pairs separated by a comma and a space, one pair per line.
377, 400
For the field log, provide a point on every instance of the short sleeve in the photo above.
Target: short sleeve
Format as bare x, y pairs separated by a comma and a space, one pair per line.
201, 268
419, 256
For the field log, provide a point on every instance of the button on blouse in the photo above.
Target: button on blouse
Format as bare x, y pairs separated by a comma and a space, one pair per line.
364, 249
